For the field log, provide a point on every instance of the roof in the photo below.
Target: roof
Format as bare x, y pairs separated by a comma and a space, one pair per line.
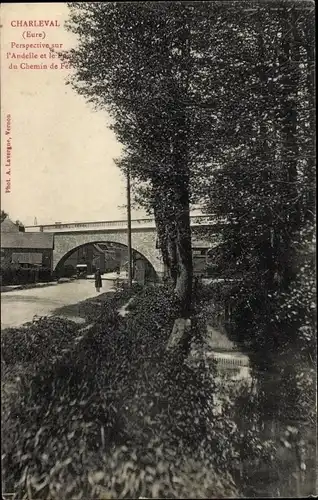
27, 240
7, 226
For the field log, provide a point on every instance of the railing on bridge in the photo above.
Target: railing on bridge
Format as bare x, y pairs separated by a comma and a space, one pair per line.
145, 223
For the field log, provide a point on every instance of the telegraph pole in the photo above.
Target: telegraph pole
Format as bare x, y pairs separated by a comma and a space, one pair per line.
129, 230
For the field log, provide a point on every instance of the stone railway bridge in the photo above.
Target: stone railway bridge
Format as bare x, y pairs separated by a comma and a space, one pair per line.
70, 236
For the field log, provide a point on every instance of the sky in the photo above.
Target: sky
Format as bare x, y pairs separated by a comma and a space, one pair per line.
61, 162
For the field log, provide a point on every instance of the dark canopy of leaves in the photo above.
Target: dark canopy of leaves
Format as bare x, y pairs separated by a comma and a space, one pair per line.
215, 101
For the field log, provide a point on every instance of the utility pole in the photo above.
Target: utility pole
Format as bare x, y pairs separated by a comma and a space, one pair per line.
129, 230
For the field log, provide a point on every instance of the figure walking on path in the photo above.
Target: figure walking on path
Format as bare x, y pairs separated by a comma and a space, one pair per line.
98, 280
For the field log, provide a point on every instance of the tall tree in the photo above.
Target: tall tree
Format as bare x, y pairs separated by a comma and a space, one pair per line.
263, 185
159, 69
4, 215
155, 69
136, 77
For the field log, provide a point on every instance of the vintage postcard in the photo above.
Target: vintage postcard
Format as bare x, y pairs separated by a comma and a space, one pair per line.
158, 291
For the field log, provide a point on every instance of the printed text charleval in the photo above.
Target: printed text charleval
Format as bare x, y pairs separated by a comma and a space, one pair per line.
41, 23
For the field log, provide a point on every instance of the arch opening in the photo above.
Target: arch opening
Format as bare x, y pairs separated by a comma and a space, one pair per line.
109, 257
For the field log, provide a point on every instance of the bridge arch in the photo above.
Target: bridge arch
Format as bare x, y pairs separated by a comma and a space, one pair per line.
120, 245
142, 243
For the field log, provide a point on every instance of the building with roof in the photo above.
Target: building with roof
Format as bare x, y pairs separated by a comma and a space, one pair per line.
25, 249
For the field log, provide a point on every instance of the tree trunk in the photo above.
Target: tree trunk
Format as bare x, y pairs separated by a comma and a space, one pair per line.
167, 239
173, 257
180, 337
183, 286
161, 234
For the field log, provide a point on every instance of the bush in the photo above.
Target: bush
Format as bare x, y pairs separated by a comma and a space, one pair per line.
152, 472
152, 314
115, 387
16, 275
45, 274
107, 303
41, 340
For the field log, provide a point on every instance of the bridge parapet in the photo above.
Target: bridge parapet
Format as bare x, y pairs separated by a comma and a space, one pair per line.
119, 225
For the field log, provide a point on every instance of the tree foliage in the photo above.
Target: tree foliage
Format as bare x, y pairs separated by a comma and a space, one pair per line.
162, 71
133, 60
262, 181
214, 104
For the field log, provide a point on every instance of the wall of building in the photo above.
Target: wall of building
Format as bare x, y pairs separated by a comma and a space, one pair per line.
106, 260
25, 249
42, 257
